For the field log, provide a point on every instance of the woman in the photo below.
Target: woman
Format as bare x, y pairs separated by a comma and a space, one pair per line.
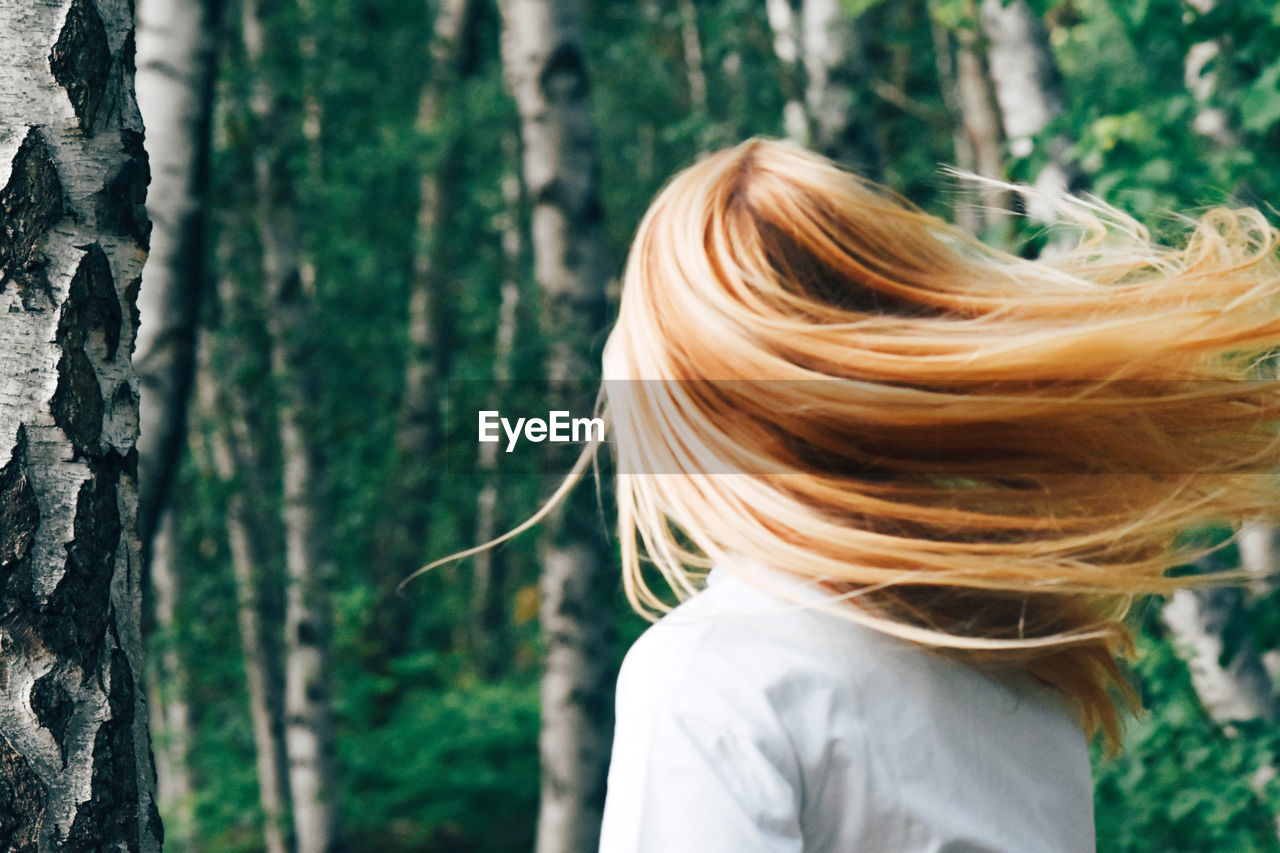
931, 478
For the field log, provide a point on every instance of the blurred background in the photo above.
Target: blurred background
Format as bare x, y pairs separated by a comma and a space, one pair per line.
371, 213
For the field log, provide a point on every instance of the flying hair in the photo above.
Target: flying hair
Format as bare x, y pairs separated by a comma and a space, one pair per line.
975, 452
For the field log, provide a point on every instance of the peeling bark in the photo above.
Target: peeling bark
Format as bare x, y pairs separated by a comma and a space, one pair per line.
75, 763
545, 65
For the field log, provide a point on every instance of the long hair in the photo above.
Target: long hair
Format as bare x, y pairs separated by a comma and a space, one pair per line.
976, 452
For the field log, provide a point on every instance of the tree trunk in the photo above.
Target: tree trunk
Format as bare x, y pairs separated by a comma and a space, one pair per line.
230, 453
979, 142
695, 73
178, 47
75, 763
1241, 690
784, 20
308, 620
836, 74
487, 572
178, 43
1028, 89
419, 427
170, 709
546, 70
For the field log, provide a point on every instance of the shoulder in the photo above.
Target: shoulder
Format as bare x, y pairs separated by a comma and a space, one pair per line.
759, 661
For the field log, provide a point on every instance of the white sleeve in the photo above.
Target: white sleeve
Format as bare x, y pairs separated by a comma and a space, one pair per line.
693, 771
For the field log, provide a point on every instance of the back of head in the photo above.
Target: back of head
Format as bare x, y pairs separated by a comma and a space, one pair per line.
983, 453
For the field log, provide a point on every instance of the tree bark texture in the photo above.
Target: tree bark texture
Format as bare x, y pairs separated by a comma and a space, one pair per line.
546, 69
308, 620
75, 764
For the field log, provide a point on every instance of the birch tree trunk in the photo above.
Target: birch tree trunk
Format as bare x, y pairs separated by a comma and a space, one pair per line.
837, 72
178, 49
1211, 121
230, 453
695, 73
308, 620
417, 435
75, 763
178, 43
784, 20
1028, 89
487, 571
170, 709
545, 63
979, 141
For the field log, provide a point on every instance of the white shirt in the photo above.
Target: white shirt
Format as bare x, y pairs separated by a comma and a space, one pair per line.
746, 722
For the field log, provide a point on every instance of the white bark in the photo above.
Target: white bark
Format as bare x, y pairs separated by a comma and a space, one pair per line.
1028, 88
229, 456
545, 65
694, 72
979, 141
485, 573
75, 767
178, 46
170, 710
418, 430
1211, 121
177, 57
1243, 689
836, 73
308, 692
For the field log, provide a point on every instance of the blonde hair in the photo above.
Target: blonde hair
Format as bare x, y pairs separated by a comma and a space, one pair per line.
980, 453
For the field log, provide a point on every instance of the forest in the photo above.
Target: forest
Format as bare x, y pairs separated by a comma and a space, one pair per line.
368, 219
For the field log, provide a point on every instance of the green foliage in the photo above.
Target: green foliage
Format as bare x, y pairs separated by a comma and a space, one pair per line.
436, 751
451, 769
1184, 783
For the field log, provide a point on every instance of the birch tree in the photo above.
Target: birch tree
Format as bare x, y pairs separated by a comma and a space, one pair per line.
837, 74
784, 20
487, 572
75, 765
979, 139
1029, 92
177, 62
230, 457
825, 73
542, 48
308, 619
